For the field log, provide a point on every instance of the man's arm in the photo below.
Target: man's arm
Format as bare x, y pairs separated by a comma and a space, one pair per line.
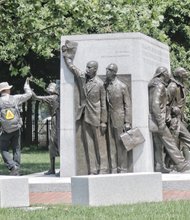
68, 51
156, 106
127, 108
103, 113
103, 108
26, 96
45, 98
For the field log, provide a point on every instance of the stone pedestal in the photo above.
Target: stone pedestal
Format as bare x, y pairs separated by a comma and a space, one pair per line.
114, 189
14, 192
135, 54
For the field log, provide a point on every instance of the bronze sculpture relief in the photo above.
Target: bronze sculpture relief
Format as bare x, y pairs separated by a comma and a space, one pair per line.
176, 104
162, 138
103, 115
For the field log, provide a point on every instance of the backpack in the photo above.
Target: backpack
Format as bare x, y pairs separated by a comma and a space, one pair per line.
10, 119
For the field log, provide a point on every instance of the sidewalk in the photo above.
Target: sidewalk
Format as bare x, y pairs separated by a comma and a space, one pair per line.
50, 198
65, 197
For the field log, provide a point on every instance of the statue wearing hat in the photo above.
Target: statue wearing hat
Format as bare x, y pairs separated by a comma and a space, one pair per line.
176, 103
11, 123
162, 138
53, 103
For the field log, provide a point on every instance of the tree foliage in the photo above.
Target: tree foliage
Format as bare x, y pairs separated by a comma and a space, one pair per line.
31, 29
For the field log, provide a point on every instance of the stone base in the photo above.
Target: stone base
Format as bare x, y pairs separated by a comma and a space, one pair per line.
176, 181
14, 192
49, 184
114, 189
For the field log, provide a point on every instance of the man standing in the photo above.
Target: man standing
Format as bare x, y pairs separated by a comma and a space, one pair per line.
11, 123
91, 112
163, 137
119, 118
176, 104
53, 103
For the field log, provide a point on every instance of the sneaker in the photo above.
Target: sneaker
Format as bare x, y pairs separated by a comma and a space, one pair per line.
14, 171
57, 174
50, 172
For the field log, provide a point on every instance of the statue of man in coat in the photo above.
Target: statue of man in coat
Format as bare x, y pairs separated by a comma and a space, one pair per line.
92, 111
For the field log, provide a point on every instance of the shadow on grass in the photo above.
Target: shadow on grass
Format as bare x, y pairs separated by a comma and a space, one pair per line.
32, 161
26, 168
29, 168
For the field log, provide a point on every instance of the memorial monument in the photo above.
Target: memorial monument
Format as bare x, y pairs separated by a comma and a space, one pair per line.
136, 56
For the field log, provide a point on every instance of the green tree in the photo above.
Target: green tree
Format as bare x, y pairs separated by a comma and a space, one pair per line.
31, 31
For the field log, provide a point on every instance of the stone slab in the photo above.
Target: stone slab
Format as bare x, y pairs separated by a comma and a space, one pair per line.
178, 181
114, 189
38, 182
49, 184
14, 192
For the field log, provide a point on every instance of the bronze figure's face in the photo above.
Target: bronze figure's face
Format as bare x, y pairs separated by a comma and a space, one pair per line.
181, 73
111, 71
166, 76
91, 69
163, 73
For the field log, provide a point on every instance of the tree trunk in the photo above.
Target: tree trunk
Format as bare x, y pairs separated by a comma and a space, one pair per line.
36, 123
28, 129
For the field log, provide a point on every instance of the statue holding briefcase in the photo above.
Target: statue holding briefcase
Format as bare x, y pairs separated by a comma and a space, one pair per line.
119, 118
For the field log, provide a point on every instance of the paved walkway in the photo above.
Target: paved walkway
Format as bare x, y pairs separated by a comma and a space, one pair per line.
65, 197
176, 195
50, 198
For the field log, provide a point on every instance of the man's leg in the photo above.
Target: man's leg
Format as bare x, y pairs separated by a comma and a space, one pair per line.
93, 148
103, 154
16, 145
112, 150
4, 145
121, 151
173, 151
159, 161
52, 153
184, 137
81, 125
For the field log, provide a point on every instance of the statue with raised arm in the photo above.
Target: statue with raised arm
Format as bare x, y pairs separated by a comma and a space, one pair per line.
92, 111
53, 103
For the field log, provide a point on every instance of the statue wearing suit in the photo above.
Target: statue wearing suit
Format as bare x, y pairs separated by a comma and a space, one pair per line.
119, 118
92, 111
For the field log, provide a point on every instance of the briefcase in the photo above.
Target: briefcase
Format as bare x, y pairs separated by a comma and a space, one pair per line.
132, 138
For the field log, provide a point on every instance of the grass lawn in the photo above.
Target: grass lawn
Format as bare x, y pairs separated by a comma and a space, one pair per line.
33, 160
146, 211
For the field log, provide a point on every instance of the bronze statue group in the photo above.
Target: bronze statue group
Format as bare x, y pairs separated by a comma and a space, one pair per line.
105, 110
168, 123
